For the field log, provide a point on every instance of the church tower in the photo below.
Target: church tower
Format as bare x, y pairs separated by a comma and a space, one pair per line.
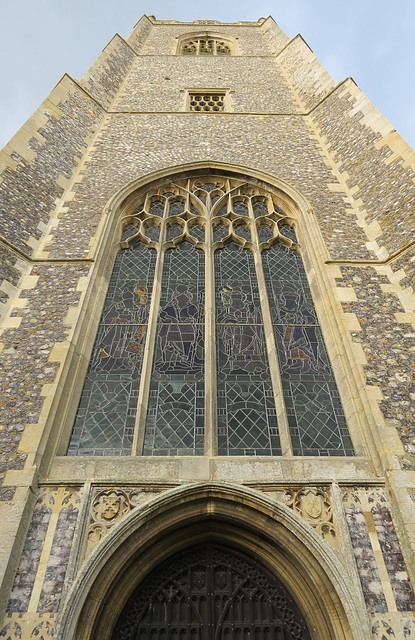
207, 349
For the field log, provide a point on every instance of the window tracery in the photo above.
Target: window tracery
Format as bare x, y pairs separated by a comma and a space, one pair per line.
213, 101
235, 362
206, 46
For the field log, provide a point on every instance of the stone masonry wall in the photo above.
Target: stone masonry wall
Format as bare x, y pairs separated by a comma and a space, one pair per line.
38, 585
26, 361
276, 38
158, 83
106, 75
9, 272
387, 344
133, 145
31, 183
139, 34
163, 37
306, 73
384, 185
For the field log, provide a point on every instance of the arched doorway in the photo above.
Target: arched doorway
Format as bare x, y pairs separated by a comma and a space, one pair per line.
275, 543
211, 592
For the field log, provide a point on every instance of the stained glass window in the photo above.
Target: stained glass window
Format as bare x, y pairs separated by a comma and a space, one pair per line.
315, 416
232, 239
105, 420
175, 418
247, 423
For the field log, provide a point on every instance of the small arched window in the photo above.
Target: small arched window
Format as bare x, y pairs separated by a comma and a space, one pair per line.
209, 340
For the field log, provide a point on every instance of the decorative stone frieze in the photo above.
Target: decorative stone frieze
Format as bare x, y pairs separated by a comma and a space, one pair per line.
109, 506
314, 505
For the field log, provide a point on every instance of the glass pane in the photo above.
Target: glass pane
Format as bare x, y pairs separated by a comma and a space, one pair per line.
153, 232
247, 423
176, 208
288, 232
220, 232
260, 208
175, 418
174, 231
289, 294
197, 231
265, 232
315, 416
157, 208
240, 208
243, 231
105, 420
129, 231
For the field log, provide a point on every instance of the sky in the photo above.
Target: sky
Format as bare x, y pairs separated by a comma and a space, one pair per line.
370, 40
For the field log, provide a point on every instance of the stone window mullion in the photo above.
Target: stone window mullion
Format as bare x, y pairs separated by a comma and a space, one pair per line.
283, 427
143, 395
211, 410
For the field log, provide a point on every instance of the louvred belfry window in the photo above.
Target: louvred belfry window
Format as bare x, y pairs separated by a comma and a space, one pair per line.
205, 47
209, 342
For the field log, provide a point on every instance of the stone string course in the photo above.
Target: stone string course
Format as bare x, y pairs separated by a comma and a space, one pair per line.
387, 191
130, 146
157, 83
28, 192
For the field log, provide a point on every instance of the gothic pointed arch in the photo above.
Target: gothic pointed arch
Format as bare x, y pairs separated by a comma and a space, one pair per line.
309, 593
233, 246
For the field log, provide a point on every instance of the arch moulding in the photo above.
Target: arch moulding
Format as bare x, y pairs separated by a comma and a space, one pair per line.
237, 516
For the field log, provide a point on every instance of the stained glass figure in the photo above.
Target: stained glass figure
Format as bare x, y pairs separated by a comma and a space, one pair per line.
105, 420
315, 416
175, 418
247, 423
